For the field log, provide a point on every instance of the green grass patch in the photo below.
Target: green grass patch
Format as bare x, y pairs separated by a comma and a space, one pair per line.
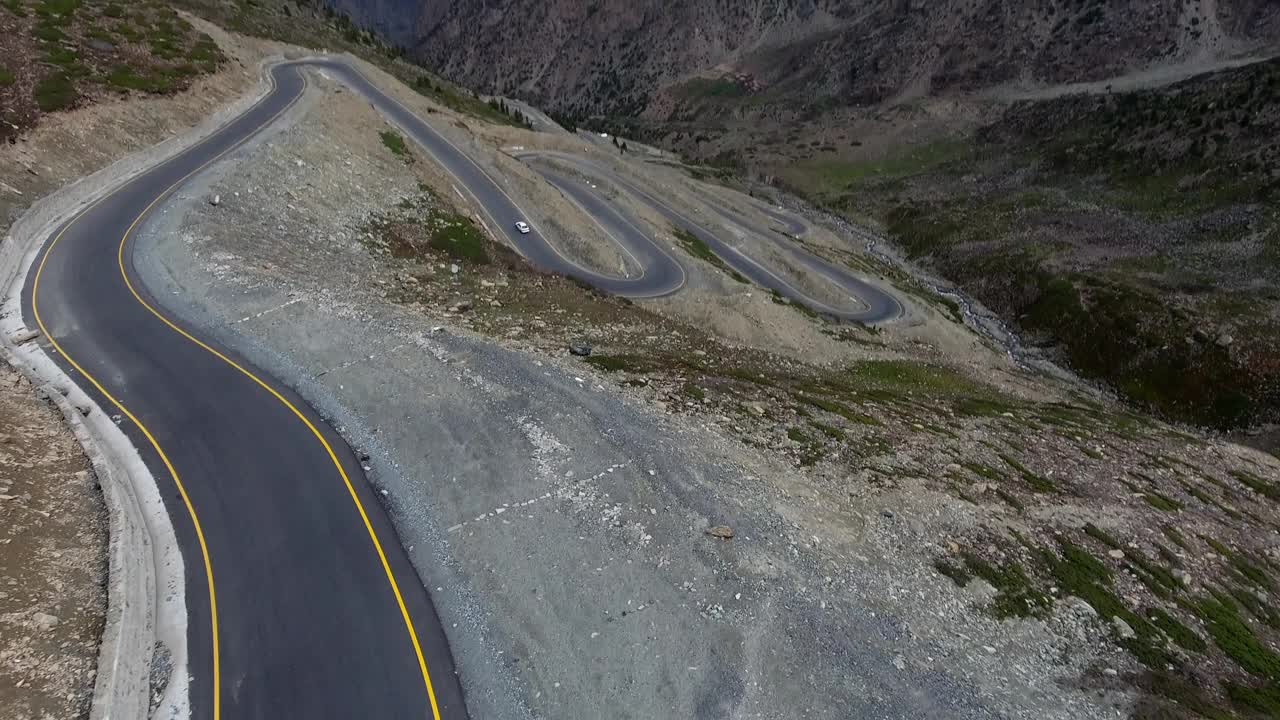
1259, 608
696, 247
1161, 501
1230, 633
909, 376
983, 471
1037, 482
1263, 701
958, 575
124, 77
58, 8
1016, 595
1079, 573
982, 407
1009, 498
7, 77
458, 237
1176, 537
1268, 490
834, 433
836, 408
834, 176
394, 142
695, 392
1101, 536
721, 87
48, 33
1176, 630
611, 363
798, 435
128, 32
55, 92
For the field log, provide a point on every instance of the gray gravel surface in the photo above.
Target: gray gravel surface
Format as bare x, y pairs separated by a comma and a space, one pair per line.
560, 525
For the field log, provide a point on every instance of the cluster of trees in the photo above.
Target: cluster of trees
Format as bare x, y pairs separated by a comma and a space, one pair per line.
514, 113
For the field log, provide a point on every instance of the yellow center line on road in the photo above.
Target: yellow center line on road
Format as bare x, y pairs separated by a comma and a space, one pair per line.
333, 457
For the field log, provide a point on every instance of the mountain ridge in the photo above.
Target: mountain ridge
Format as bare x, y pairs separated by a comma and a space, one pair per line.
634, 58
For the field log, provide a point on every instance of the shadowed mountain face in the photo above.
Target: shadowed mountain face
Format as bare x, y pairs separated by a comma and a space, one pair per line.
649, 56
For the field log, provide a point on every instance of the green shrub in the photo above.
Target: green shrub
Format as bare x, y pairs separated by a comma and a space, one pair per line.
395, 143
48, 33
458, 237
1176, 631
1233, 636
55, 92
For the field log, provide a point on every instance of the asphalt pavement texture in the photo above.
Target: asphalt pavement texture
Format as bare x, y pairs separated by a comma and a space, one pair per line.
307, 621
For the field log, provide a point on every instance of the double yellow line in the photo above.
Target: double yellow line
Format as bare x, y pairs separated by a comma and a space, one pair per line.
173, 472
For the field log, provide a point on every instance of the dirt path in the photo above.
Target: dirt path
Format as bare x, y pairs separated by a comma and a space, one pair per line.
1138, 80
53, 554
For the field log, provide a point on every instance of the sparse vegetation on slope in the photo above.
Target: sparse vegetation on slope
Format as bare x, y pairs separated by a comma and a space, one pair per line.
1133, 231
315, 24
62, 53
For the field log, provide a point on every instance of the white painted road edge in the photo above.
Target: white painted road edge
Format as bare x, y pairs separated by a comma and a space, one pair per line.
146, 589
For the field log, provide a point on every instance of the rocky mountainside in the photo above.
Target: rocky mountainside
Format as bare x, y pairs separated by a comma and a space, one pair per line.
646, 56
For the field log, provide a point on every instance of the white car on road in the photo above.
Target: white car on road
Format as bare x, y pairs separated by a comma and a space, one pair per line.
523, 227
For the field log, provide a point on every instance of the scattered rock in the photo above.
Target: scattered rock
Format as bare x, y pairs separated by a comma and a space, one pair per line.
454, 269
460, 307
1081, 608
44, 621
216, 200
580, 349
721, 531
1116, 554
1182, 576
1122, 629
1225, 340
25, 336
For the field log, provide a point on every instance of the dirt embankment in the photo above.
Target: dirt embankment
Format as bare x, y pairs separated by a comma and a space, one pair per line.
53, 539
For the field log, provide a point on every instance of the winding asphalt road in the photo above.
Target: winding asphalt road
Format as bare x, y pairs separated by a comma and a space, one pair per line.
866, 302
301, 600
660, 273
